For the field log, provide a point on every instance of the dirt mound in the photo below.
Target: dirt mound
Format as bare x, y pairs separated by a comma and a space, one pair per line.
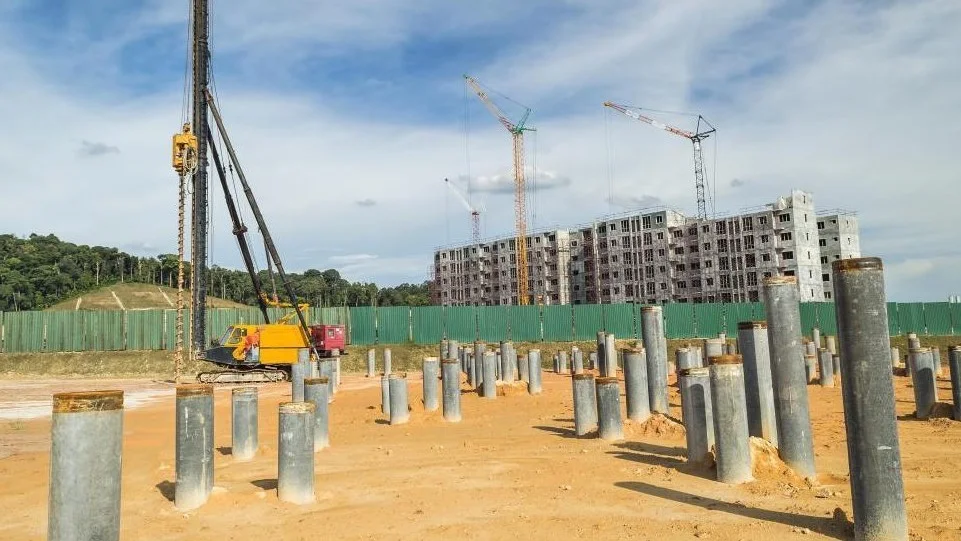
941, 410
767, 465
511, 389
659, 425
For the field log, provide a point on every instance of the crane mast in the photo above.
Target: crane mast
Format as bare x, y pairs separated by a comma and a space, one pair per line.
694, 137
520, 190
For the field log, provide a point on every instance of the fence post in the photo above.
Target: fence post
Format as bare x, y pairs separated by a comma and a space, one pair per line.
410, 324
350, 326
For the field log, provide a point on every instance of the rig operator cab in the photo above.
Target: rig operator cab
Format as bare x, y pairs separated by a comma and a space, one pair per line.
274, 344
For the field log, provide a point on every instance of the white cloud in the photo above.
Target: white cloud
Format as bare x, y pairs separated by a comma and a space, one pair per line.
854, 102
503, 183
632, 202
97, 149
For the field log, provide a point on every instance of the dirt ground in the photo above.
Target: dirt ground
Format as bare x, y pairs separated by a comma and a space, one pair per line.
511, 468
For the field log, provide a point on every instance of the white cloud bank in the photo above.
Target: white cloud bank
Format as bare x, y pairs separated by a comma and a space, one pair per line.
856, 103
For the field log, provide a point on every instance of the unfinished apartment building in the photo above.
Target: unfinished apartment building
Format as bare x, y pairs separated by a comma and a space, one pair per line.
486, 273
658, 256
838, 238
662, 256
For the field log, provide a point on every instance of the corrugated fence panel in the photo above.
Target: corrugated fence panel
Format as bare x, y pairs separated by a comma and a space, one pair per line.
74, 333
956, 317
827, 321
894, 319
363, 330
169, 319
736, 313
937, 318
219, 319
558, 323
620, 320
588, 319
808, 317
492, 323
336, 315
23, 332
393, 324
56, 333
911, 317
277, 313
252, 315
525, 323
428, 324
145, 329
678, 320
92, 331
113, 331
461, 323
709, 319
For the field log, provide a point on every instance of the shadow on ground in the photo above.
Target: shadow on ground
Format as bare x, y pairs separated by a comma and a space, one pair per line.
837, 527
167, 489
265, 484
560, 431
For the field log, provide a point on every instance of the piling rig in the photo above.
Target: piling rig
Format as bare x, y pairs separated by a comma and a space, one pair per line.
245, 352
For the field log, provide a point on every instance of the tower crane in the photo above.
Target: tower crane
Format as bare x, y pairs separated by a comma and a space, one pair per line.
695, 137
516, 129
474, 213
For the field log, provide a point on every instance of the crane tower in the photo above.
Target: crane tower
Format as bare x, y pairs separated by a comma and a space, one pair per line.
516, 129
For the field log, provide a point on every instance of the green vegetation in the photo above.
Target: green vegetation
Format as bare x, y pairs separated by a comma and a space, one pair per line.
40, 271
135, 297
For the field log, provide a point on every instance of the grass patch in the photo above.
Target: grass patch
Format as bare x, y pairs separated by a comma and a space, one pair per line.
136, 296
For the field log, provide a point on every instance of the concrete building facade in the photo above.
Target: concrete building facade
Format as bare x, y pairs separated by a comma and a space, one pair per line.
657, 256
838, 238
486, 273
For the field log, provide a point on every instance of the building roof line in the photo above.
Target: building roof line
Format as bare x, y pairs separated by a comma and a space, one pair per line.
839, 211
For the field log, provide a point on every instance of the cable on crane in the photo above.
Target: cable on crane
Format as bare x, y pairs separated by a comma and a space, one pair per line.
662, 111
610, 160
714, 180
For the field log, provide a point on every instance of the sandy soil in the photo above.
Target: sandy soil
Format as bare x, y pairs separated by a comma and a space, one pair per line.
511, 469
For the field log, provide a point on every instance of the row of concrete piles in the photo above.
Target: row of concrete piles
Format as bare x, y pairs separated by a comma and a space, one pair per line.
924, 366
87, 437
762, 391
446, 369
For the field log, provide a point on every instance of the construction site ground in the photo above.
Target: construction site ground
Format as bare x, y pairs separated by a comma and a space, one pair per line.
511, 469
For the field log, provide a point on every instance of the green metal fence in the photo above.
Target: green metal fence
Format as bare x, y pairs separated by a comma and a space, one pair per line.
61, 331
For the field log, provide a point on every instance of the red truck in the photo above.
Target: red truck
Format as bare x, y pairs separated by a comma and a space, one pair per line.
329, 340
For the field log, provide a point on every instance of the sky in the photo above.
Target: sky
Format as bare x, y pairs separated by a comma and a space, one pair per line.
347, 117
